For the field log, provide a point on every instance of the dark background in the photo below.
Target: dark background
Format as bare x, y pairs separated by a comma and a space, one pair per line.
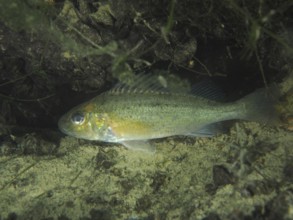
54, 55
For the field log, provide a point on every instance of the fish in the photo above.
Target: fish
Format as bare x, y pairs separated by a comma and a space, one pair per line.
134, 114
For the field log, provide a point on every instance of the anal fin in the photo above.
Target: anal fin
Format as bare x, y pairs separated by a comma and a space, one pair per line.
209, 130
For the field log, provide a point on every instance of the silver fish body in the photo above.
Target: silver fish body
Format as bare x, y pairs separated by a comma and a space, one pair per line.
133, 116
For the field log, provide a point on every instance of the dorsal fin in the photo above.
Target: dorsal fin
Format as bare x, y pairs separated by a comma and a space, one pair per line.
141, 83
208, 89
156, 83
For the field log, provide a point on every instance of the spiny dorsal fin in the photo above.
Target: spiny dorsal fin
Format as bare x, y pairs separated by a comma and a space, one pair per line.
156, 83
141, 83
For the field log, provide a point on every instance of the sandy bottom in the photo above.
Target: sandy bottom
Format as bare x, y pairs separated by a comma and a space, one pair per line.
246, 173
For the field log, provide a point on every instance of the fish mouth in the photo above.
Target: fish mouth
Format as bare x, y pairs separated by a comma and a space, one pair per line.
61, 126
62, 130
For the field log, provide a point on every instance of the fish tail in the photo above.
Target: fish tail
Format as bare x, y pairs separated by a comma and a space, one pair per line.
261, 106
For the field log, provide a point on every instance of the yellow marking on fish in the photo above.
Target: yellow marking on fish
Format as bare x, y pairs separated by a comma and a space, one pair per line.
101, 120
89, 107
122, 127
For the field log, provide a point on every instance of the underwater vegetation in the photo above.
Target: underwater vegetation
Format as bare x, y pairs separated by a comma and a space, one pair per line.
57, 54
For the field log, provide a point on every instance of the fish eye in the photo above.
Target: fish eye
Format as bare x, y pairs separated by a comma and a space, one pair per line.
77, 118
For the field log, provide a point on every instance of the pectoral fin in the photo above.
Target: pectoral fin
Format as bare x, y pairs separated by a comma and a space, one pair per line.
139, 145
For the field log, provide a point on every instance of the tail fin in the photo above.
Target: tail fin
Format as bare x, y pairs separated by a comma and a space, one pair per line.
260, 106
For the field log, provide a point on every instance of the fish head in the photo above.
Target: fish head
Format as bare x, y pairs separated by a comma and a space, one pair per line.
84, 121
